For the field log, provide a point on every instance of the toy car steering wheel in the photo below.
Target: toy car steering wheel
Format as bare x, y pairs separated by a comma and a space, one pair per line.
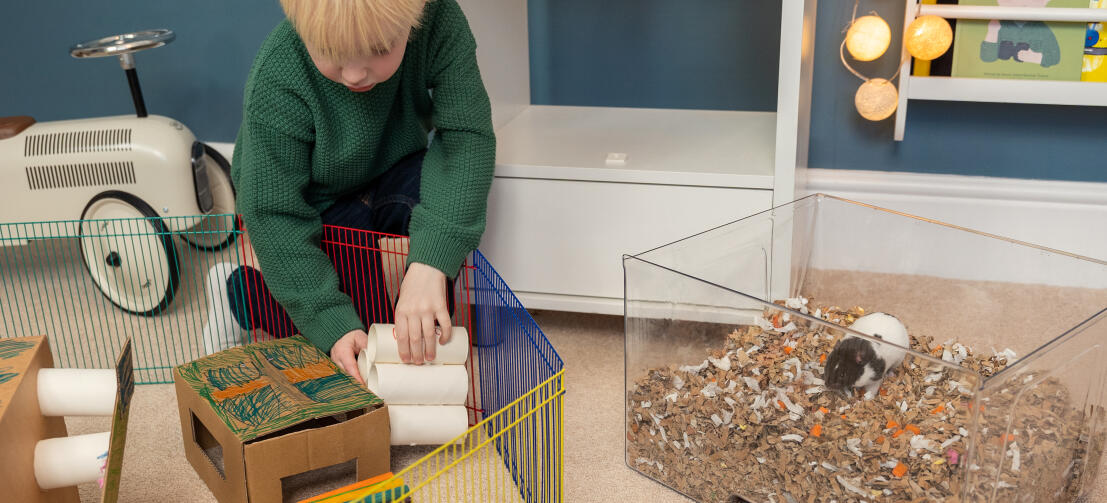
125, 46
118, 45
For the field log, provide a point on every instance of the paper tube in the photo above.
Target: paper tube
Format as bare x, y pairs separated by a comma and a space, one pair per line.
68, 461
419, 384
76, 392
382, 346
426, 424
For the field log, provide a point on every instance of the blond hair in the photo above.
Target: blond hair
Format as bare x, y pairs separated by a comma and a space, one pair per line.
348, 29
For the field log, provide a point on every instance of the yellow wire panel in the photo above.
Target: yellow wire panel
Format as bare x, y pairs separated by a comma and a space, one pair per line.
513, 455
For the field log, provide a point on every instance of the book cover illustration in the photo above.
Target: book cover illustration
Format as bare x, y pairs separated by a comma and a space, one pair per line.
1095, 49
995, 49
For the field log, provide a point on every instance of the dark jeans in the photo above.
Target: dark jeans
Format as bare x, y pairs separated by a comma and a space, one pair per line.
383, 207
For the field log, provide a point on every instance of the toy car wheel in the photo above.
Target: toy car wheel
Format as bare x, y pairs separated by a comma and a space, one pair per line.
129, 253
215, 232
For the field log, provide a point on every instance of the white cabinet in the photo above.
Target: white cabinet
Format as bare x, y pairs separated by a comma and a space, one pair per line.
561, 242
578, 187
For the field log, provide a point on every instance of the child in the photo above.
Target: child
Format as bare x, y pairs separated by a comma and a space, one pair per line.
338, 108
1023, 41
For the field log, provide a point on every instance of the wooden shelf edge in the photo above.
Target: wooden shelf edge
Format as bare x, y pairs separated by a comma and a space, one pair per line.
624, 175
1042, 92
533, 146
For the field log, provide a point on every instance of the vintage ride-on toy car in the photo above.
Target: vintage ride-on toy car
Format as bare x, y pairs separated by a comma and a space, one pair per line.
146, 168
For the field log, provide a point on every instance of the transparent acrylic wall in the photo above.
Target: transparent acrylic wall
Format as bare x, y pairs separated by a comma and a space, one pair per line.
1031, 432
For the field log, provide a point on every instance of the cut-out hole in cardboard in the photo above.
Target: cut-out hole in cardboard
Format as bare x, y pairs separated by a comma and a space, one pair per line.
318, 481
207, 442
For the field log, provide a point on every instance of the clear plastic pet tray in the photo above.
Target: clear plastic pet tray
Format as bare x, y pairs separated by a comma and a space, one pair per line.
728, 335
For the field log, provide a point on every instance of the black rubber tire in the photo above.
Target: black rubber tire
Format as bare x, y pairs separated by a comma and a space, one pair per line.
225, 167
159, 230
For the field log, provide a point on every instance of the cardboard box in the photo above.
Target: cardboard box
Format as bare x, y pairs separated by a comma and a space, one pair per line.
253, 415
21, 423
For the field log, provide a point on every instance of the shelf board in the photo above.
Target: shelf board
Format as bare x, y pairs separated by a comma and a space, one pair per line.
1044, 92
1062, 14
663, 146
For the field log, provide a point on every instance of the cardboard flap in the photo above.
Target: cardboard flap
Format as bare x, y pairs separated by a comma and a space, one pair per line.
269, 386
15, 357
124, 390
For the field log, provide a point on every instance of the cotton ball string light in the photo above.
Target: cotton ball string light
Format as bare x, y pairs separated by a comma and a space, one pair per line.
868, 37
928, 37
876, 99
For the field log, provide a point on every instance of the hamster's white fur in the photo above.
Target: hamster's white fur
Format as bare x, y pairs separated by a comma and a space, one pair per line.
887, 328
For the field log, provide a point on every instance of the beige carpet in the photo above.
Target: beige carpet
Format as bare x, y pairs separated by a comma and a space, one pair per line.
592, 347
39, 283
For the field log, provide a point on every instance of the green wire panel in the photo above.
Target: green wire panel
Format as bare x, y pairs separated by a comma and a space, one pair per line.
89, 284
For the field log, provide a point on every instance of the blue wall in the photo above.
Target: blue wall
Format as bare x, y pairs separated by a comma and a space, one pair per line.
197, 79
573, 64
714, 54
703, 54
985, 139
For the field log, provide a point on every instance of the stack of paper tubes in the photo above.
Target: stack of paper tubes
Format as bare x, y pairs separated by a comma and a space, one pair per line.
426, 403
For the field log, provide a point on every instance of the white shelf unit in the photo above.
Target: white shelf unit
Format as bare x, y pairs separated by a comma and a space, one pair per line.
1044, 92
561, 214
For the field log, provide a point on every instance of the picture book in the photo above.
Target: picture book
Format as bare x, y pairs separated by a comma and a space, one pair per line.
1095, 49
995, 49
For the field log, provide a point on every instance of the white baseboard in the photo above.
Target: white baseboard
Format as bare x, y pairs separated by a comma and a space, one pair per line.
225, 148
1067, 216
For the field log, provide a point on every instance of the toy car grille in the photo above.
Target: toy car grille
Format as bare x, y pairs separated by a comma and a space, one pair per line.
80, 175
71, 142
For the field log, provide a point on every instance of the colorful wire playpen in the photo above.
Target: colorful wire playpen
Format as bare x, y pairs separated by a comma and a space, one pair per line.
90, 284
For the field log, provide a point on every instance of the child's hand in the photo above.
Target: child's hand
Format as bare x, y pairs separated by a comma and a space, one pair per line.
993, 31
422, 302
345, 352
1029, 56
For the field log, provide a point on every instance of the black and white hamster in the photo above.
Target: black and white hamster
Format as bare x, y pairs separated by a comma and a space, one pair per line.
859, 363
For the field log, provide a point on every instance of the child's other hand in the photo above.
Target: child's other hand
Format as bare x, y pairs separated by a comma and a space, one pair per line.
993, 31
422, 302
1030, 56
345, 352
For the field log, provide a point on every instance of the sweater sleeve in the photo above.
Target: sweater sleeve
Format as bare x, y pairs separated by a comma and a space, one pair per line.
457, 170
272, 169
1047, 45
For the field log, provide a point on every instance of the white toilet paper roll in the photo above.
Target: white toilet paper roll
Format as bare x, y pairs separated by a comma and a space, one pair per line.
401, 384
382, 346
76, 392
426, 424
68, 461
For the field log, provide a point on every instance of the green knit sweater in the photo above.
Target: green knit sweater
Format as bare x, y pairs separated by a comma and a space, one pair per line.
306, 141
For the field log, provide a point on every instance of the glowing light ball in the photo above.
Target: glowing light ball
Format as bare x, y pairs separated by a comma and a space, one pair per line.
928, 37
876, 99
868, 38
